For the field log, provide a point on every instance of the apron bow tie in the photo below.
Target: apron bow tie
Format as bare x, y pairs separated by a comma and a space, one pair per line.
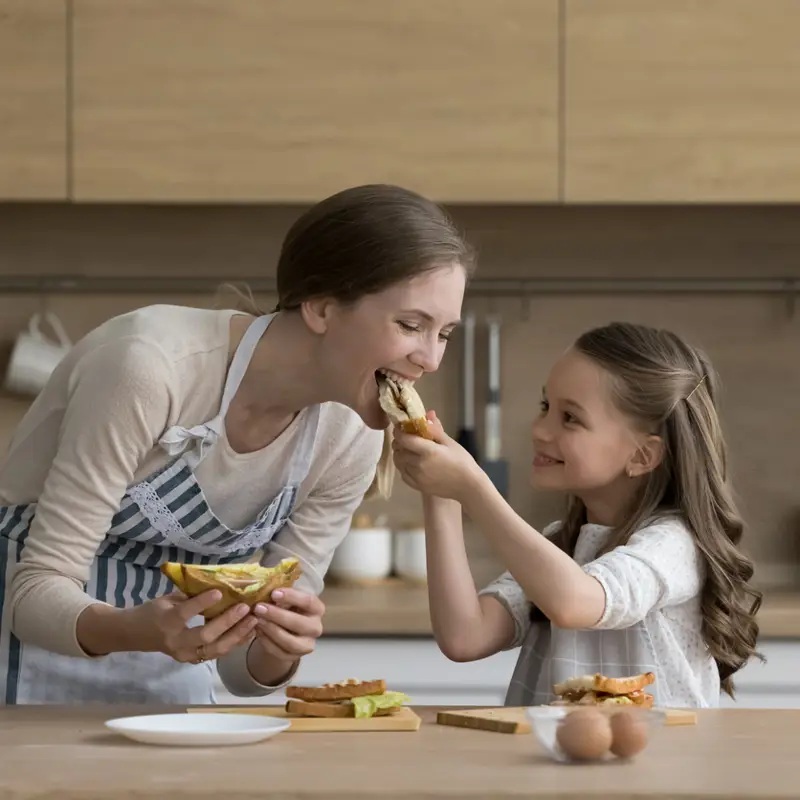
177, 438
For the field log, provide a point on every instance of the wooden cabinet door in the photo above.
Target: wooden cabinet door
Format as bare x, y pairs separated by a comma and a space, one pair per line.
682, 100
291, 100
33, 99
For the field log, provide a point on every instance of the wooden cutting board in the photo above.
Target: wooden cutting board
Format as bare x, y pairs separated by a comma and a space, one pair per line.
513, 720
404, 720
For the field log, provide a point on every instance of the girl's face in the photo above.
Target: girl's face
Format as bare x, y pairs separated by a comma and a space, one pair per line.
583, 445
403, 330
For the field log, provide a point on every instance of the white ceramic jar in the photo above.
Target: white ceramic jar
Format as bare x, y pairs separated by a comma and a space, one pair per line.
409, 554
365, 554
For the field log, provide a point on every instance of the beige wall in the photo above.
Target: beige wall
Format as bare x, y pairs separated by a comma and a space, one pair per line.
753, 340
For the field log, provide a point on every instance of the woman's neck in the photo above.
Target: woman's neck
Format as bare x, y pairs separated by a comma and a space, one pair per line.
281, 378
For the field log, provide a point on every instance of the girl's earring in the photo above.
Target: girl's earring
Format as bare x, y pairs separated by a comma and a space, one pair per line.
629, 472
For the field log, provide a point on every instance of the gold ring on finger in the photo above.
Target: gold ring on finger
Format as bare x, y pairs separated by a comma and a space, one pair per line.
201, 654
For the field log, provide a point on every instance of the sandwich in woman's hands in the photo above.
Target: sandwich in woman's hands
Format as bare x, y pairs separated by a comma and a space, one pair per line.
598, 690
239, 583
348, 698
402, 404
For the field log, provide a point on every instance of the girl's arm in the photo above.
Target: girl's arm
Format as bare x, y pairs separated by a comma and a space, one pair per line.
466, 627
551, 580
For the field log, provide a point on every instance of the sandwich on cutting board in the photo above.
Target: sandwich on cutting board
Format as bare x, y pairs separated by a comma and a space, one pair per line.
598, 690
401, 403
348, 698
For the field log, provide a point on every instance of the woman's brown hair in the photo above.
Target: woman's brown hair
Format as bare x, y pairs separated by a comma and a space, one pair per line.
671, 390
358, 242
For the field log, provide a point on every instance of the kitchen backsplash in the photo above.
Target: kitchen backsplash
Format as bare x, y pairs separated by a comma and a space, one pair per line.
754, 341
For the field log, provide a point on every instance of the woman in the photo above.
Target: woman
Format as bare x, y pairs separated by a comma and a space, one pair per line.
180, 434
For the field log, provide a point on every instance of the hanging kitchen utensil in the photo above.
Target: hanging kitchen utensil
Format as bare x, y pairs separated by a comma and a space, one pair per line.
495, 466
466, 433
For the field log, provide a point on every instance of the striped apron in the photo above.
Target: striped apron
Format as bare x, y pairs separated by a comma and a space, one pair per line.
164, 518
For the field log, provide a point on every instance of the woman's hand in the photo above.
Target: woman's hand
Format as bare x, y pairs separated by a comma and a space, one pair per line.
441, 467
161, 625
288, 628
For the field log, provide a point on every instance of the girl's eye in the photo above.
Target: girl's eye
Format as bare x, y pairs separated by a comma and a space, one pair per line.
445, 337
570, 418
544, 406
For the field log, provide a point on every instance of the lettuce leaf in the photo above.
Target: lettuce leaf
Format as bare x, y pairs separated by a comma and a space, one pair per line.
367, 706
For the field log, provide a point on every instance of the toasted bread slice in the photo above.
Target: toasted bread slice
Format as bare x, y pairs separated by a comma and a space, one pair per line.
600, 683
341, 709
634, 683
417, 426
344, 690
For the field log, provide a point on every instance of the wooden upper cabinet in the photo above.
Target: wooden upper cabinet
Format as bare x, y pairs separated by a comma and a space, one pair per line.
292, 100
682, 101
33, 99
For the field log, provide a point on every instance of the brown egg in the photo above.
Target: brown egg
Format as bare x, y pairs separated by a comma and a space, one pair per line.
629, 735
584, 735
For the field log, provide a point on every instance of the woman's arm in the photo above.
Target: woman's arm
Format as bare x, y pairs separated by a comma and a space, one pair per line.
119, 403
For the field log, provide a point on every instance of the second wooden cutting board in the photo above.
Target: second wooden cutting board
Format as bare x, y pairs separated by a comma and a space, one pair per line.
513, 720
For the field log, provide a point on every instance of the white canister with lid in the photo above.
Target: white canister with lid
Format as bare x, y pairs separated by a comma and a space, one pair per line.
365, 553
409, 559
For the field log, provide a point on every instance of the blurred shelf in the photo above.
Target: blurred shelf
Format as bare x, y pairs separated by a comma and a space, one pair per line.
397, 609
96, 284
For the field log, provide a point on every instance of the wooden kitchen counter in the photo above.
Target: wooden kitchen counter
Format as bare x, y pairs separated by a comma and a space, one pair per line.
65, 753
395, 608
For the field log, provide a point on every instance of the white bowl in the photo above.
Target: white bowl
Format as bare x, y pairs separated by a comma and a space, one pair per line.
363, 554
545, 721
198, 730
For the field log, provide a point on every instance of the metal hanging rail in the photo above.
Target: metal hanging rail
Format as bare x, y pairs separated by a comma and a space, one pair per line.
511, 287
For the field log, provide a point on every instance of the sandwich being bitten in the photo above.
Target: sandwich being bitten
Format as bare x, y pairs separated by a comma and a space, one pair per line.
598, 690
348, 698
239, 583
402, 404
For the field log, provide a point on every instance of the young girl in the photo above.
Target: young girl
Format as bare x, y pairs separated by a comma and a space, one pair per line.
644, 573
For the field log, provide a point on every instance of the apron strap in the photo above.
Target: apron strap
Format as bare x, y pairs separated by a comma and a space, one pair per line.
177, 439
241, 360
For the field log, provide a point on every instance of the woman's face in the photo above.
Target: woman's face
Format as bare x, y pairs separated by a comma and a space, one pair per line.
403, 329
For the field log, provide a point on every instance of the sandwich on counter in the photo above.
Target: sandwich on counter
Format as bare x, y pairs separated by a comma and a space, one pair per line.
598, 690
348, 698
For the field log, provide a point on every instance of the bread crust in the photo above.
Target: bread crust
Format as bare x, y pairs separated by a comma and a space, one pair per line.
341, 710
418, 426
346, 690
600, 683
634, 683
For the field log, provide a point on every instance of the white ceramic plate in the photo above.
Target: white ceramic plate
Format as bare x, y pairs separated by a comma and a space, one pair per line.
198, 730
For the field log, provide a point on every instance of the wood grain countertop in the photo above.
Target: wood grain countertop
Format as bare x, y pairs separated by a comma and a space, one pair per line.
396, 608
67, 753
